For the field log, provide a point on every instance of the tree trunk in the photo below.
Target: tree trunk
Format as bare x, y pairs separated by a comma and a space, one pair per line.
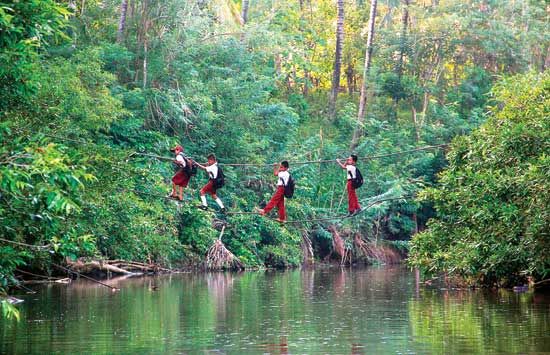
403, 39
419, 121
337, 59
122, 21
278, 64
350, 73
305, 89
145, 50
244, 11
145, 26
366, 70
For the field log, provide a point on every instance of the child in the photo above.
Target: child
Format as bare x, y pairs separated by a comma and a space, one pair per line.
353, 203
278, 198
210, 187
180, 180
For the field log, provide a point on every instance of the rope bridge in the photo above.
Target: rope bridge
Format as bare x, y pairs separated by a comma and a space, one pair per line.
322, 161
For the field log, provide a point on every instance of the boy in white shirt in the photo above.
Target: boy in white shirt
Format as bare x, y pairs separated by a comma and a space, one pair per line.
351, 170
210, 187
278, 198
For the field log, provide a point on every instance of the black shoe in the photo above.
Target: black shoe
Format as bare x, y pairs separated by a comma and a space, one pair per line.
202, 207
223, 210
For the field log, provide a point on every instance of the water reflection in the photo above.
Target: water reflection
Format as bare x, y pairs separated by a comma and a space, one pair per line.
343, 311
500, 321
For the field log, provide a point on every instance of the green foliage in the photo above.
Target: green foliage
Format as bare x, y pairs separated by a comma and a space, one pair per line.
77, 105
9, 311
25, 27
492, 201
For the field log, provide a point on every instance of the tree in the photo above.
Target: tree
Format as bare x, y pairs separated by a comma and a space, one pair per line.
492, 201
364, 84
244, 12
122, 21
337, 59
24, 29
403, 40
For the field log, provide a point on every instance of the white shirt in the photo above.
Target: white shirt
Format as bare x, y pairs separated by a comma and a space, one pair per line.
283, 178
351, 171
180, 159
212, 171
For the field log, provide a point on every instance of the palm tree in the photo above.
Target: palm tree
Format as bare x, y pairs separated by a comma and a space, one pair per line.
366, 70
337, 58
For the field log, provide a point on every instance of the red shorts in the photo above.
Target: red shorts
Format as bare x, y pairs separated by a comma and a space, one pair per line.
181, 178
209, 188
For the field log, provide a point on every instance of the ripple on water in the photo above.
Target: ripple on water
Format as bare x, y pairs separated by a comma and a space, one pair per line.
370, 311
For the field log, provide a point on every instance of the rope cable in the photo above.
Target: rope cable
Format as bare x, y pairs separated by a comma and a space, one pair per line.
323, 219
322, 161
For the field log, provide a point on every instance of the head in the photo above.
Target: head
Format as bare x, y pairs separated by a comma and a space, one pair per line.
177, 149
211, 159
284, 165
352, 160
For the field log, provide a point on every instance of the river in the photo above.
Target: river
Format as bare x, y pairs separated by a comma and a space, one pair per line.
335, 311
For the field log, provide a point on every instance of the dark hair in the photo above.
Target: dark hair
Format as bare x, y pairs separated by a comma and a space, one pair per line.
211, 156
354, 157
284, 163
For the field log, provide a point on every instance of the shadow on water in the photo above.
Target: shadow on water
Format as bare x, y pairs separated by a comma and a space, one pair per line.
345, 311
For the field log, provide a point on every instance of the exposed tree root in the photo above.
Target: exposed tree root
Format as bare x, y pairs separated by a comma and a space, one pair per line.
360, 248
307, 250
218, 224
370, 250
339, 246
219, 258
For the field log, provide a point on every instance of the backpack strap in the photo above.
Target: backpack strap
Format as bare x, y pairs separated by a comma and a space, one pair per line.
283, 180
184, 158
211, 174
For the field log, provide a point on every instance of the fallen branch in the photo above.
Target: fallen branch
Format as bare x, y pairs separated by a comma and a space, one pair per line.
135, 265
88, 267
86, 277
35, 275
541, 282
64, 280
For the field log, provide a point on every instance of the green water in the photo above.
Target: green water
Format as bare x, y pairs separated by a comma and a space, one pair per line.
366, 311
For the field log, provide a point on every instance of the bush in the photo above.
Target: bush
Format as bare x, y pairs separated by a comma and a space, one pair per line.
492, 201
